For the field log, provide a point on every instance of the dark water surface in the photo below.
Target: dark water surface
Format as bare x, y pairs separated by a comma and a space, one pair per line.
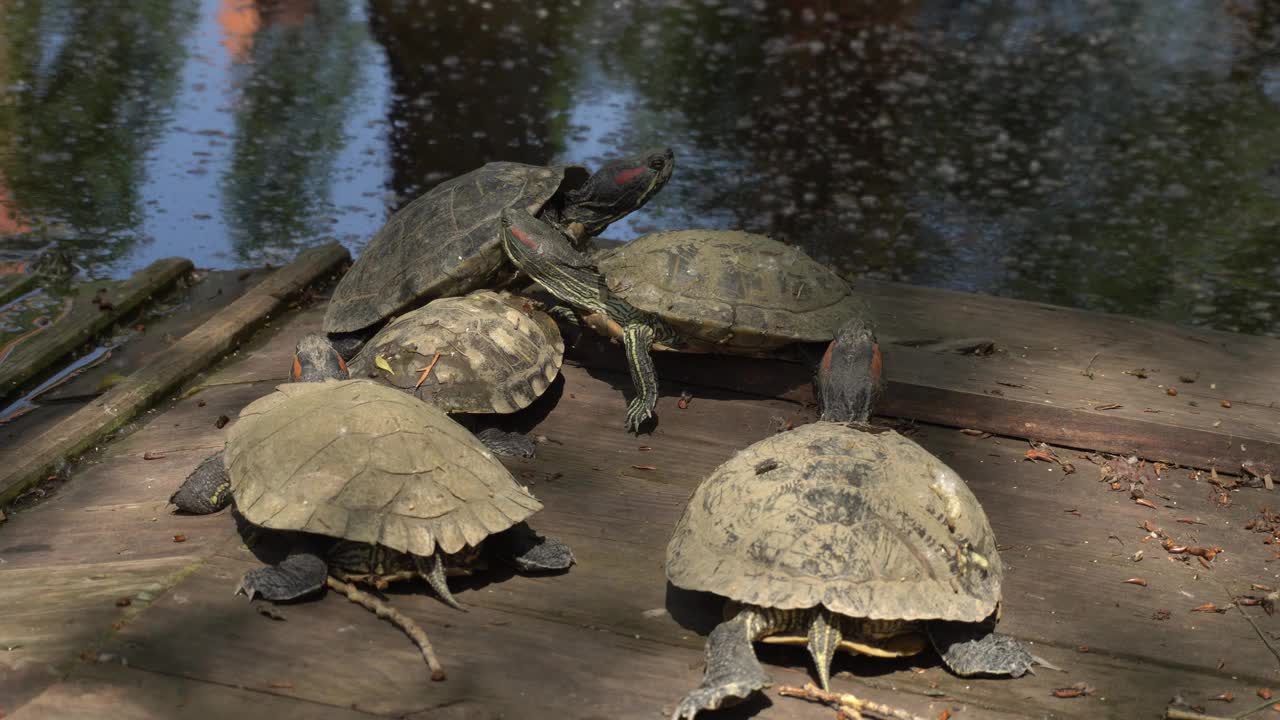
1122, 156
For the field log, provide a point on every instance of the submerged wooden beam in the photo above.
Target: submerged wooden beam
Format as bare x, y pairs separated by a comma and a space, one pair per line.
188, 356
86, 320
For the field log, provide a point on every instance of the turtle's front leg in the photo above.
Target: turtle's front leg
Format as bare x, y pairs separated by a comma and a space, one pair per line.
206, 490
733, 672
302, 573
637, 339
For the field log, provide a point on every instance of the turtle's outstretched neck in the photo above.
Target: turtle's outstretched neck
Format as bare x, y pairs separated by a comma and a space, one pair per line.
848, 380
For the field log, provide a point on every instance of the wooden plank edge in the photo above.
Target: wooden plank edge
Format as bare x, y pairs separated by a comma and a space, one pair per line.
19, 287
1079, 429
30, 360
191, 354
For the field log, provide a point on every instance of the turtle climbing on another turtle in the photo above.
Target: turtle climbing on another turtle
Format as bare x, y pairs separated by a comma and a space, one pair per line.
446, 242
713, 291
372, 486
838, 536
474, 356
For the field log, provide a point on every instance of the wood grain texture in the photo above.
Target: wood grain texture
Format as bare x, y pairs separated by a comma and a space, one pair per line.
86, 320
194, 352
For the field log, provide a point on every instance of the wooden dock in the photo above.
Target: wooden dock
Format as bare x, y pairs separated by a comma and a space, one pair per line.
115, 607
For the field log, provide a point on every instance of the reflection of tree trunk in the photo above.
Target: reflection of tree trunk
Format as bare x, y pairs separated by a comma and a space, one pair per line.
466, 92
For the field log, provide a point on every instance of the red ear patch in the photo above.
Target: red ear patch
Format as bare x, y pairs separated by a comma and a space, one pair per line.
341, 363
297, 369
826, 357
875, 363
524, 238
627, 176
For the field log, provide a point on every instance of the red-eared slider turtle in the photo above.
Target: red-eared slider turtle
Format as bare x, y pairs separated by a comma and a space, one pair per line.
838, 537
446, 242
374, 486
479, 355
693, 290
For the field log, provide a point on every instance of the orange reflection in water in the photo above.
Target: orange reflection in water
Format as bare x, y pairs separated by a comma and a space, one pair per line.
242, 19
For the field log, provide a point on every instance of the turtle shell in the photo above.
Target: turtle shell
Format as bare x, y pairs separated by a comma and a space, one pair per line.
495, 356
866, 525
730, 291
444, 243
361, 461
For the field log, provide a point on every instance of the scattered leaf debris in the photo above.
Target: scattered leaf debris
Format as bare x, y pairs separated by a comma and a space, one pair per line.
685, 398
179, 538
644, 467
1136, 581
1208, 608
149, 455
123, 602
1264, 693
1145, 503
1161, 614
221, 422
1225, 403
1109, 406
1072, 691
1224, 697
1171, 391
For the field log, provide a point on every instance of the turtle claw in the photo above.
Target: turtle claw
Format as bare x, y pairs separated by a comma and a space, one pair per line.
714, 697
638, 413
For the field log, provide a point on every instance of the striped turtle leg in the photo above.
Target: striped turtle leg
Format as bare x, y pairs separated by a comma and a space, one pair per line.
733, 672
206, 490
636, 340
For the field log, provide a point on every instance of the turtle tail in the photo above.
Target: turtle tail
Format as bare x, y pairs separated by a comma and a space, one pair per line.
432, 570
824, 638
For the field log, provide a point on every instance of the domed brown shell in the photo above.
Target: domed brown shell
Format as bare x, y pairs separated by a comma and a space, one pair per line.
730, 291
496, 355
360, 461
444, 243
867, 525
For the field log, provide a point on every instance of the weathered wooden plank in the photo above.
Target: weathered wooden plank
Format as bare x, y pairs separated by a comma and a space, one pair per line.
53, 613
109, 689
85, 321
1041, 372
192, 353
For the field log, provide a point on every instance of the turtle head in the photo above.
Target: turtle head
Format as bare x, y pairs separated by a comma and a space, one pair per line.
315, 360
848, 379
620, 187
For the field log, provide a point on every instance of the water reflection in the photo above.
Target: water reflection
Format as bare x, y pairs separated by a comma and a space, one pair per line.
1112, 155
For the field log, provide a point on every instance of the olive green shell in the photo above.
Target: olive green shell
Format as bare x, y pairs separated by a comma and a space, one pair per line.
867, 525
360, 461
730, 291
495, 356
444, 243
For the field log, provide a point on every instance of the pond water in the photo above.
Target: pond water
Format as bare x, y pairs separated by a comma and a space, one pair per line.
1106, 154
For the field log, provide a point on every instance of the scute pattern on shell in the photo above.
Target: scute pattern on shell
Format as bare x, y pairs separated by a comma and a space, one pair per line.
860, 523
493, 357
443, 243
360, 461
734, 290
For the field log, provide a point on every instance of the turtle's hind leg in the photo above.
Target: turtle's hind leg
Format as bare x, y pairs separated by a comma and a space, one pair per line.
206, 490
733, 672
531, 552
302, 573
432, 570
973, 649
507, 444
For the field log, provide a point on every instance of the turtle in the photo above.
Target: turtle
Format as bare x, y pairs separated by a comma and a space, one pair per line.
373, 486
717, 291
474, 356
840, 536
446, 242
